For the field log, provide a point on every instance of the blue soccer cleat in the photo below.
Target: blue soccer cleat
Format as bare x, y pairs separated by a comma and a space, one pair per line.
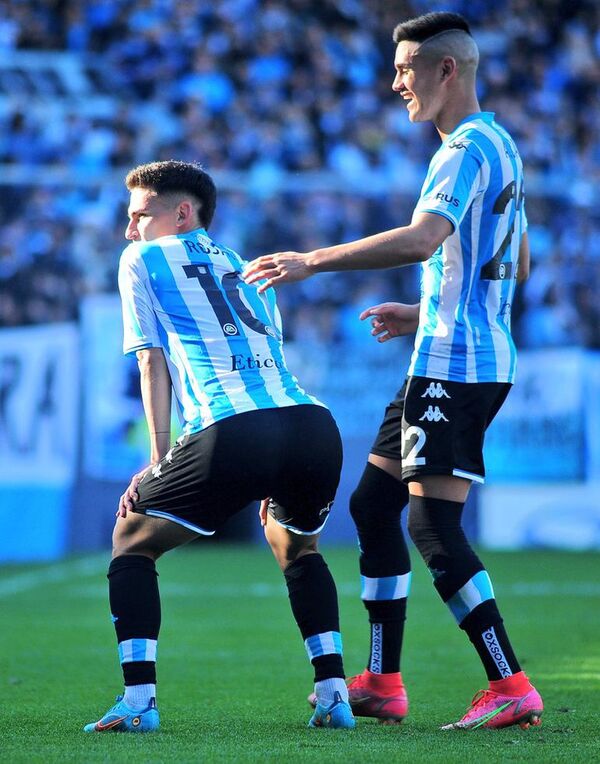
336, 716
121, 718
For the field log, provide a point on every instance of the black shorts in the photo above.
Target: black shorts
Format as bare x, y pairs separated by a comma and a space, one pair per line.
436, 427
291, 454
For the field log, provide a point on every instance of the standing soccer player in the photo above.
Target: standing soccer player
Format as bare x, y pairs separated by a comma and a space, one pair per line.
249, 432
469, 232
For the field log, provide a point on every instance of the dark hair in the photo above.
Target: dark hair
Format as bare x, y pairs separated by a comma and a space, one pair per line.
421, 28
171, 177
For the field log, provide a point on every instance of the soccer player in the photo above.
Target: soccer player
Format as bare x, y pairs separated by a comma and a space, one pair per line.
468, 231
250, 432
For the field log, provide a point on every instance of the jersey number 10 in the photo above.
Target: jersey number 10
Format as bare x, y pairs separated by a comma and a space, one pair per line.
230, 286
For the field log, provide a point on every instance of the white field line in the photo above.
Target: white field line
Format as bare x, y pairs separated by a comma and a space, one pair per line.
54, 573
75, 570
262, 590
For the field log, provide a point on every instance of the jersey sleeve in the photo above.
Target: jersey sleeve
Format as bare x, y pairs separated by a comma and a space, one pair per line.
453, 180
140, 327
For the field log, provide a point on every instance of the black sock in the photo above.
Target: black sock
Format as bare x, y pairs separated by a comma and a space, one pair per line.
387, 619
376, 507
135, 608
313, 598
462, 581
485, 629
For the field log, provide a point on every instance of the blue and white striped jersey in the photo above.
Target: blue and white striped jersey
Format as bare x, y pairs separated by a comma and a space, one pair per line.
221, 339
475, 180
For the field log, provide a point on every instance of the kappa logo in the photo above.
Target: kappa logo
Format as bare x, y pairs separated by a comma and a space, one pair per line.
435, 390
157, 470
433, 414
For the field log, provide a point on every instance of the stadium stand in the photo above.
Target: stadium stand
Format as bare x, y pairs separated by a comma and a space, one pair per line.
289, 105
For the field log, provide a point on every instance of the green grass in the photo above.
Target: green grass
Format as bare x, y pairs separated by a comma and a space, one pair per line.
233, 675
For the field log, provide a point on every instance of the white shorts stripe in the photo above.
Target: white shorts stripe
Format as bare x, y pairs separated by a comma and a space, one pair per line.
469, 476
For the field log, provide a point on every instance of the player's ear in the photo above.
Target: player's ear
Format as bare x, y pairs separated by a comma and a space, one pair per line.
448, 67
184, 211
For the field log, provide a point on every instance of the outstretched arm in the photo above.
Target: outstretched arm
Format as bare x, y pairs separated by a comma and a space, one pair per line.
400, 246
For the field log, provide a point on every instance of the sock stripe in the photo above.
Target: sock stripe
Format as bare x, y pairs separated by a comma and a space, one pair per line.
131, 650
324, 644
385, 588
468, 597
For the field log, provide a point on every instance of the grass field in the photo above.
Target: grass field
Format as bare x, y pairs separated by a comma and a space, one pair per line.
233, 675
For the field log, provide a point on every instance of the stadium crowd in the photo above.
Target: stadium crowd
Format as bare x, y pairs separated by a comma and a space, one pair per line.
288, 103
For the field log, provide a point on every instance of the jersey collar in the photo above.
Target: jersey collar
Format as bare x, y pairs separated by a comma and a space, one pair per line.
484, 116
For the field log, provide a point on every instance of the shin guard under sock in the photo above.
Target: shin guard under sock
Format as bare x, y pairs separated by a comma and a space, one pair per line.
313, 598
461, 581
376, 506
135, 608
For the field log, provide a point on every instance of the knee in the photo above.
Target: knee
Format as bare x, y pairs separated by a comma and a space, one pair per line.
377, 501
435, 527
420, 529
360, 507
288, 547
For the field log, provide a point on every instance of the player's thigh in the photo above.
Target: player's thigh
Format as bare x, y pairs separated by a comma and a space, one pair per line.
446, 487
150, 536
392, 466
305, 484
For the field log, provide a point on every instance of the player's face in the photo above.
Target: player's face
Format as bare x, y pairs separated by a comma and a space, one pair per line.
416, 81
150, 216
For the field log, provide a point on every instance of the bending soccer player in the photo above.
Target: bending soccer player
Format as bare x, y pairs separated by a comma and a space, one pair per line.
469, 231
249, 432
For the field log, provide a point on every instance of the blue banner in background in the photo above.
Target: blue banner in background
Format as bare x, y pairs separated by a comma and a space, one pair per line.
547, 433
39, 406
34, 522
544, 515
356, 380
540, 432
116, 444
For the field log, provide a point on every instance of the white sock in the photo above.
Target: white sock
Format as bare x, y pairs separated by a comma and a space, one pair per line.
137, 696
325, 690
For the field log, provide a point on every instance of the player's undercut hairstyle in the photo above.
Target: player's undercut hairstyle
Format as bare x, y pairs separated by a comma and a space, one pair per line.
174, 177
428, 25
441, 34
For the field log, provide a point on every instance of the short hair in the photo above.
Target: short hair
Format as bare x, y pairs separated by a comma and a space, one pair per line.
440, 34
423, 27
174, 177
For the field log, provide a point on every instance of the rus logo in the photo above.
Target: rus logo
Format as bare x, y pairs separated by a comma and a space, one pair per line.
448, 199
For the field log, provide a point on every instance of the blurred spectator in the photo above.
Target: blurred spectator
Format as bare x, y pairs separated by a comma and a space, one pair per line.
263, 92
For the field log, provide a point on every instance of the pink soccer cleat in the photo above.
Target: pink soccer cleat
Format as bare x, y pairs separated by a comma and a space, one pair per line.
495, 710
